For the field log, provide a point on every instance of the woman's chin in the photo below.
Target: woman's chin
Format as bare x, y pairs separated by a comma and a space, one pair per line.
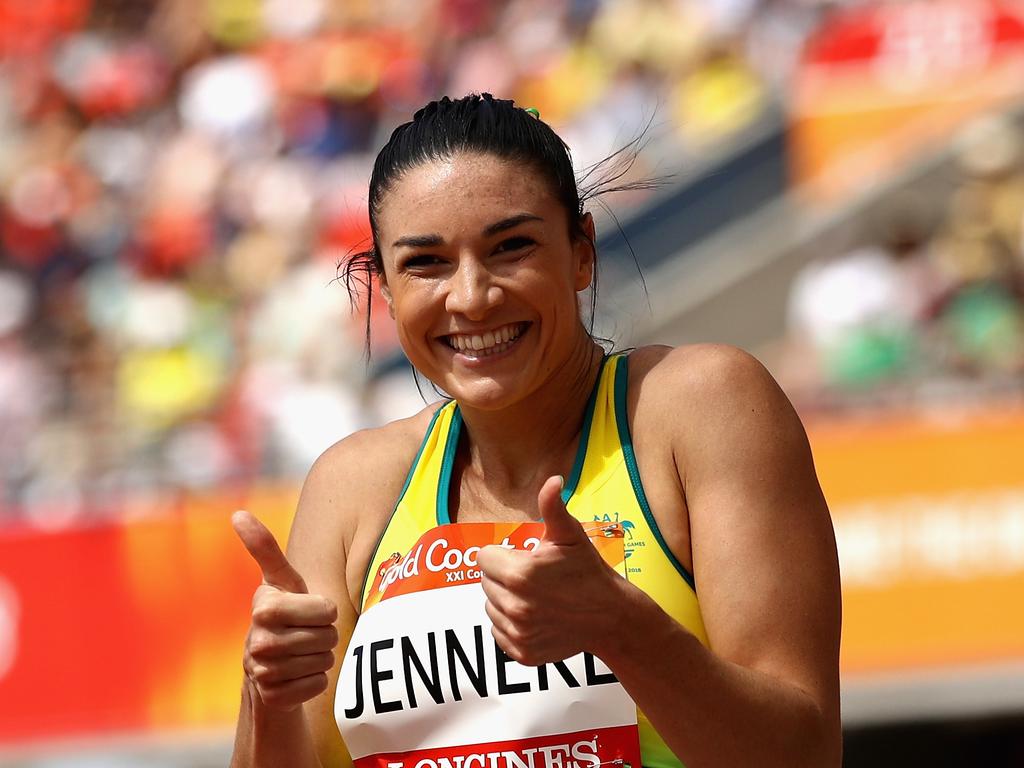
483, 394
492, 402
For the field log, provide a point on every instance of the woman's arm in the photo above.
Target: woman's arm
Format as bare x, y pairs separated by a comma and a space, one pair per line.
767, 690
300, 612
766, 570
341, 511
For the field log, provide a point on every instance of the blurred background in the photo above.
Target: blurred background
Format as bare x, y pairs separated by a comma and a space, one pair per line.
179, 180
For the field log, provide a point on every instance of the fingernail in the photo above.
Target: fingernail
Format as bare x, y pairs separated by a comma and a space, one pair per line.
561, 483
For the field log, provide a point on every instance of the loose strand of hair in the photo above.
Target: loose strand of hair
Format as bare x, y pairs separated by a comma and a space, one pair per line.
355, 271
629, 246
617, 165
605, 177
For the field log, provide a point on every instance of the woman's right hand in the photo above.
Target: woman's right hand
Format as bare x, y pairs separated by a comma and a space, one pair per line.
292, 637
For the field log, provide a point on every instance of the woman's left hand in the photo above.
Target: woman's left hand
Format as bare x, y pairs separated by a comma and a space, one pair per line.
555, 601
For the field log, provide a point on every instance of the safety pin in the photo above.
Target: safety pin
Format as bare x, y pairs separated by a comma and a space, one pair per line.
607, 530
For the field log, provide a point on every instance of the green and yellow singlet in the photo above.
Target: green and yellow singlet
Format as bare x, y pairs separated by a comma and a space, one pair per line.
604, 486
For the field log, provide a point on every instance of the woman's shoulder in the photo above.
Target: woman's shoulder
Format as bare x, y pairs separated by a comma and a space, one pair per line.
703, 372
354, 483
706, 392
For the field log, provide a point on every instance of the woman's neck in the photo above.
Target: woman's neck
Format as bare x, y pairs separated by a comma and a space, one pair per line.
517, 448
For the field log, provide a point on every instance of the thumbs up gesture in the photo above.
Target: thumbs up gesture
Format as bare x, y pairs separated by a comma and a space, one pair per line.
291, 640
555, 601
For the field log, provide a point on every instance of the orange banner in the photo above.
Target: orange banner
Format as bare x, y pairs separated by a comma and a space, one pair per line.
139, 625
129, 626
929, 516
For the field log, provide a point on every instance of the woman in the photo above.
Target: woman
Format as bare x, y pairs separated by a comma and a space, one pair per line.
692, 455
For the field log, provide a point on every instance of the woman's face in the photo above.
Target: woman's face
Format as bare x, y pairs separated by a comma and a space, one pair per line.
481, 276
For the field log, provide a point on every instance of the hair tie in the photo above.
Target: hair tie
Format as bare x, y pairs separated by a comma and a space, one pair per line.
533, 111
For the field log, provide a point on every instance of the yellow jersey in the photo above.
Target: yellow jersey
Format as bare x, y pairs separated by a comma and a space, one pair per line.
604, 486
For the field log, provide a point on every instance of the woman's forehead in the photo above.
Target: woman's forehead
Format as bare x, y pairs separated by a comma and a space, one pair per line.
466, 188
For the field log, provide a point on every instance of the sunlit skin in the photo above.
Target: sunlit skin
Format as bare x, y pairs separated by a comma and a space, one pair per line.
470, 244
476, 247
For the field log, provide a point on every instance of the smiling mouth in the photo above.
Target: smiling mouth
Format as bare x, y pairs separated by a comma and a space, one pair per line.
485, 344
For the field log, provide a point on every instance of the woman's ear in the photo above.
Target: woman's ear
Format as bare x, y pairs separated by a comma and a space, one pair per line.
585, 250
385, 291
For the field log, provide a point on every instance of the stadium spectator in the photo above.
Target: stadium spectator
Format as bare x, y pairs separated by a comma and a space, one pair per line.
180, 178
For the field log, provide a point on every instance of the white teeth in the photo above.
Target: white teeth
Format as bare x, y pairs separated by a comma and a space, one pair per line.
487, 343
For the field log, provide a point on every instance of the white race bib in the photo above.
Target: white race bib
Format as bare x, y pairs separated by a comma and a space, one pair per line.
424, 685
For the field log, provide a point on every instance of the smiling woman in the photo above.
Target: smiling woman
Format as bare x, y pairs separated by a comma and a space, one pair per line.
570, 503
458, 272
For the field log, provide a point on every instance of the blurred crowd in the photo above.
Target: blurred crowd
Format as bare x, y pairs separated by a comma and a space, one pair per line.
179, 180
930, 302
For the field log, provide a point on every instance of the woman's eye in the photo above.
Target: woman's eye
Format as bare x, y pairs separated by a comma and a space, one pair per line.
420, 261
515, 244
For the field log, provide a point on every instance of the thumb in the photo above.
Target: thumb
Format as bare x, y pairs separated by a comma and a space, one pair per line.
277, 571
559, 526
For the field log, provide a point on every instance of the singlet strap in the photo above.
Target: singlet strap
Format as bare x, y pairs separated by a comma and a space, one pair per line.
626, 441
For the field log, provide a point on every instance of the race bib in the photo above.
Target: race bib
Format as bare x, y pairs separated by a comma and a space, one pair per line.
424, 685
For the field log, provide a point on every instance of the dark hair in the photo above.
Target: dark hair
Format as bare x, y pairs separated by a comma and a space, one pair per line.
480, 123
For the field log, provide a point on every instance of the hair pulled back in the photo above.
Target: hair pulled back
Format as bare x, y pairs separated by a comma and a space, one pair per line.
475, 124
480, 123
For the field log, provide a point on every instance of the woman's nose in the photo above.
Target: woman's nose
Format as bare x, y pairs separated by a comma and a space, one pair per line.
471, 291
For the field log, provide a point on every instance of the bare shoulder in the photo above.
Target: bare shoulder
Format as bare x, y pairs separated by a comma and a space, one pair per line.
708, 374
708, 393
349, 494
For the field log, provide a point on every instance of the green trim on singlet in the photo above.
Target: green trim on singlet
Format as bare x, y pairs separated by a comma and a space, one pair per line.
455, 433
444, 481
581, 450
626, 440
405, 487
604, 483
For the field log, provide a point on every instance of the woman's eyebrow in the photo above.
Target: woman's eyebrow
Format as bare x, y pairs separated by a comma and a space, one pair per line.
509, 223
433, 241
418, 241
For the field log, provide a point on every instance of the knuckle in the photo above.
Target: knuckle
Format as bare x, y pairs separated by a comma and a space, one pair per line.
264, 596
502, 641
330, 610
517, 634
261, 674
262, 614
492, 611
521, 611
265, 613
262, 645
528, 659
518, 654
